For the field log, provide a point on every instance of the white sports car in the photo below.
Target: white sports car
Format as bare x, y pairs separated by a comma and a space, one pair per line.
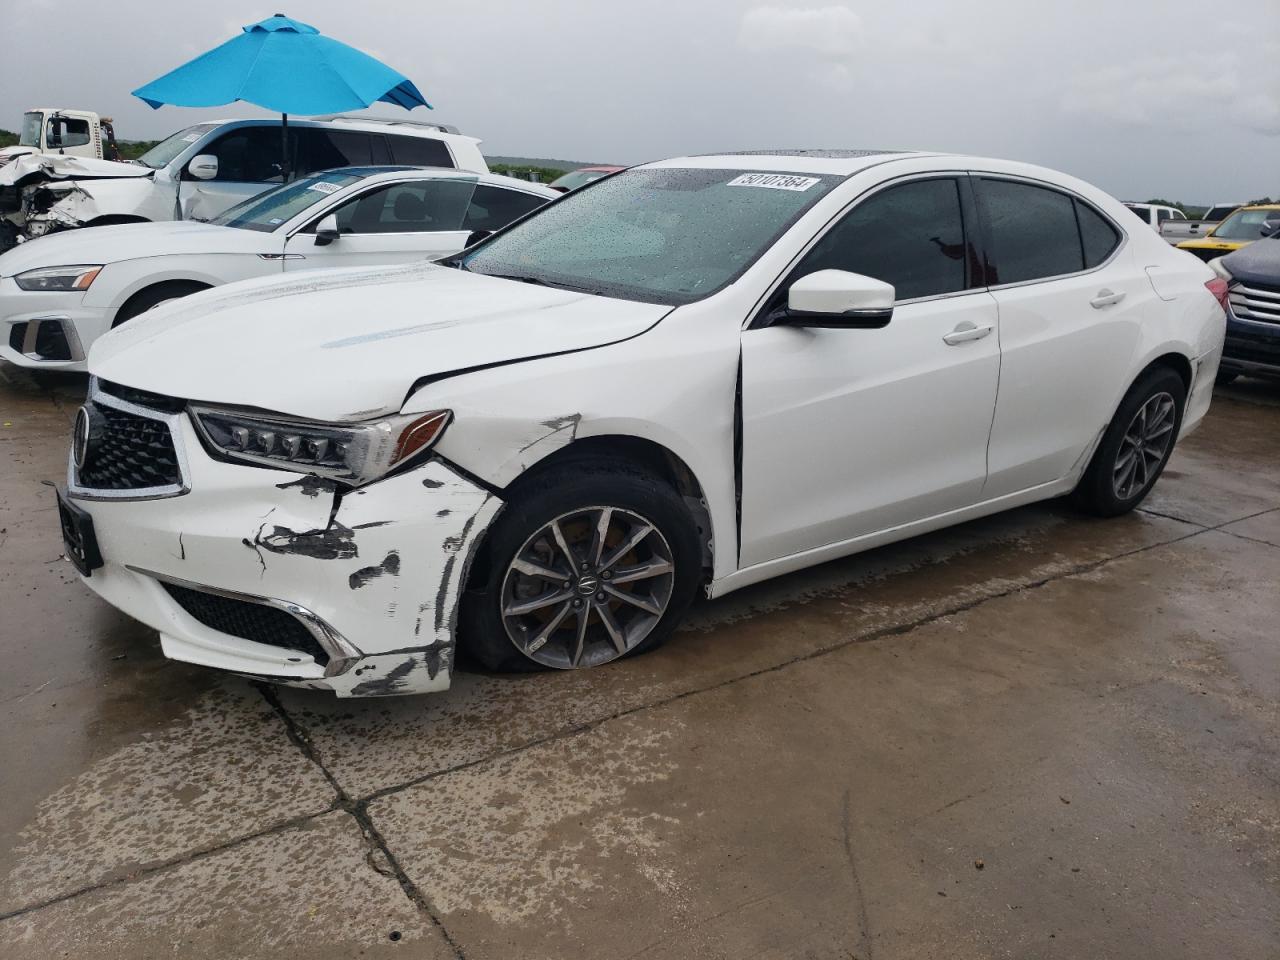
695, 374
59, 293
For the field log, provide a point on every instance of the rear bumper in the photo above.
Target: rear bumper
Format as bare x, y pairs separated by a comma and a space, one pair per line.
370, 582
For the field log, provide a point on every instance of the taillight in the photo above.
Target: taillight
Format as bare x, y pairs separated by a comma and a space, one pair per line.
1218, 287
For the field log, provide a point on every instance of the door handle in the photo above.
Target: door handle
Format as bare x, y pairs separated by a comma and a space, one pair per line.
1105, 298
965, 332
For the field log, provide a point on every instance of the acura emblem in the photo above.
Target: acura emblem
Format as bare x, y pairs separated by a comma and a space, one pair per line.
80, 437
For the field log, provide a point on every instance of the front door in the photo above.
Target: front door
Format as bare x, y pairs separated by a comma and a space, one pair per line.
849, 432
249, 162
393, 223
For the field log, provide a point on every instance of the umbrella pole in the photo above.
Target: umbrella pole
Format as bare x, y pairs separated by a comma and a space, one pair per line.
284, 148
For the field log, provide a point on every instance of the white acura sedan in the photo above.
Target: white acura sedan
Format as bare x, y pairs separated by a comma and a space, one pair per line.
695, 374
59, 293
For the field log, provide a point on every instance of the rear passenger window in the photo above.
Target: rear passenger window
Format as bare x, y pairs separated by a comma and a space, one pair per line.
325, 149
1097, 236
911, 236
1033, 231
492, 208
420, 152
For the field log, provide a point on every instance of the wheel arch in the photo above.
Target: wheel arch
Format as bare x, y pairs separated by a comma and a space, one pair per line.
188, 285
626, 450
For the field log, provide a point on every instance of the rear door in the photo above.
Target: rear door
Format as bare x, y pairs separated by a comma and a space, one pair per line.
849, 432
1071, 302
392, 223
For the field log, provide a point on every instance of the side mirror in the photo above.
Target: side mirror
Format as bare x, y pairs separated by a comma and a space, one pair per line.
838, 298
203, 167
475, 236
327, 231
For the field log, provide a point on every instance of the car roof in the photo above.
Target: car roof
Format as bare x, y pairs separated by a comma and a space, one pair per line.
839, 162
406, 172
363, 124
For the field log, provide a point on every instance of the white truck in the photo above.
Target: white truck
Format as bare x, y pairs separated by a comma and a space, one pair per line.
65, 133
200, 171
1175, 231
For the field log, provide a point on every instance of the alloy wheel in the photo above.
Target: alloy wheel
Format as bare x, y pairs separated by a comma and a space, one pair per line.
1144, 445
587, 587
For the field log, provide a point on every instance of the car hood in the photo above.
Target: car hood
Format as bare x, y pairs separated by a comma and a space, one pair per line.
132, 241
349, 344
1259, 262
46, 166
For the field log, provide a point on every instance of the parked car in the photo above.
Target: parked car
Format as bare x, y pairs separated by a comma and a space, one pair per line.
199, 172
697, 374
1253, 310
1176, 230
1246, 225
1154, 215
581, 177
69, 133
60, 295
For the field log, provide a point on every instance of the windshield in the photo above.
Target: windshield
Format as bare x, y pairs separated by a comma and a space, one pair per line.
163, 153
1245, 224
30, 136
657, 235
579, 178
267, 211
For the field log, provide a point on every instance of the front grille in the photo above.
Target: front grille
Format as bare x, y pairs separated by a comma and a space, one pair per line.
131, 453
1256, 301
248, 621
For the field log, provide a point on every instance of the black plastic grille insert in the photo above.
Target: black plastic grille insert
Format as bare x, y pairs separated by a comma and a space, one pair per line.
131, 453
248, 621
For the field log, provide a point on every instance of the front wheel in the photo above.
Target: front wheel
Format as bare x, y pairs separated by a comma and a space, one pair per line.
1136, 446
589, 562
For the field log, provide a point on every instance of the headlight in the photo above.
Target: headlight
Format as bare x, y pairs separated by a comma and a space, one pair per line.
355, 453
1218, 267
58, 278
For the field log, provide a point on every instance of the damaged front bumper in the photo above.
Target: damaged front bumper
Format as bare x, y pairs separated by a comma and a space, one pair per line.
276, 576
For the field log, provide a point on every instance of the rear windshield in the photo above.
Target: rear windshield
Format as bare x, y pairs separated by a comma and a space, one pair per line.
163, 153
1219, 213
269, 211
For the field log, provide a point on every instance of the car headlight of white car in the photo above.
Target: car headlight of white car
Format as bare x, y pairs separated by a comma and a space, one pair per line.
352, 453
72, 277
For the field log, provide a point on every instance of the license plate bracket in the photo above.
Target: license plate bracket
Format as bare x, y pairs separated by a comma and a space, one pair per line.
78, 537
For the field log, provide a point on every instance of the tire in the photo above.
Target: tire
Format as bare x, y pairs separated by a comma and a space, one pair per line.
1225, 377
1108, 487
583, 622
144, 300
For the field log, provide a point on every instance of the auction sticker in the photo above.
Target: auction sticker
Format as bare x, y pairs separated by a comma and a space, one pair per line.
323, 187
192, 137
774, 181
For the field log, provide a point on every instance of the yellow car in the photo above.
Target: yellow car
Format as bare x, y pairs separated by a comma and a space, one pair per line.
1240, 229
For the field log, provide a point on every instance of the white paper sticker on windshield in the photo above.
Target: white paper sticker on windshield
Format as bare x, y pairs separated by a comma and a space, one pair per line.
774, 181
191, 137
325, 187
274, 220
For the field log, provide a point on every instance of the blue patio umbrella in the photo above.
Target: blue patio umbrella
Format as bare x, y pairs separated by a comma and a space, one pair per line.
287, 66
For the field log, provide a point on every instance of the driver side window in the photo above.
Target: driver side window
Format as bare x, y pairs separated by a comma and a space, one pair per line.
419, 206
911, 236
247, 155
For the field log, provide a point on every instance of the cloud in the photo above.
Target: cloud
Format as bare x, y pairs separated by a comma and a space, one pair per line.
1178, 94
834, 31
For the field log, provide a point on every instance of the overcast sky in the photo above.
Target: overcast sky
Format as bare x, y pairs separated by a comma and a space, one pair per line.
1171, 98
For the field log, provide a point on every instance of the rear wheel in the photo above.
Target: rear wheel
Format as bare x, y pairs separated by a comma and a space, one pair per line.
589, 562
1136, 446
147, 299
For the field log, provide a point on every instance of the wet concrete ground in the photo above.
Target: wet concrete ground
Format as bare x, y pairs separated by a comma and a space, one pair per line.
1036, 735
